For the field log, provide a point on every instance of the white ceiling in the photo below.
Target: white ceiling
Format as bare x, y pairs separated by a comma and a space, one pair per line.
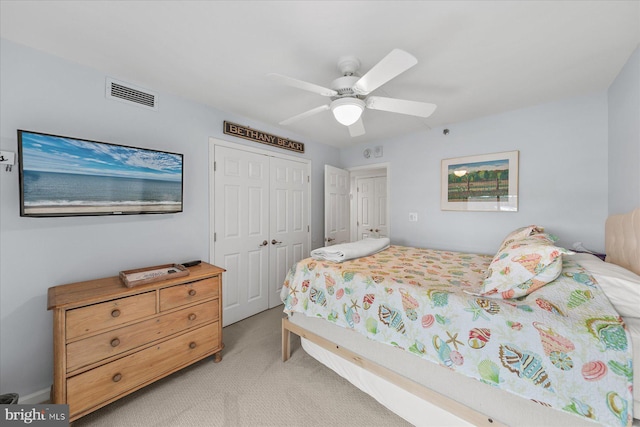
475, 58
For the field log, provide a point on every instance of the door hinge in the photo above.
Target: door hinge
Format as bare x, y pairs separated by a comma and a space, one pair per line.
308, 179
215, 236
358, 223
358, 189
308, 229
215, 166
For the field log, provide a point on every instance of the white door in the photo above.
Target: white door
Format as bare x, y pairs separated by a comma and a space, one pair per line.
261, 226
289, 219
336, 205
241, 217
381, 206
372, 207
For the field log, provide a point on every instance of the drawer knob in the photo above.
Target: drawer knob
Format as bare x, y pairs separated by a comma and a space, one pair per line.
192, 292
117, 377
192, 316
192, 344
115, 313
115, 342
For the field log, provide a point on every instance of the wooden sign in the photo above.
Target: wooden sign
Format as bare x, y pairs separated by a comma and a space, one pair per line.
262, 137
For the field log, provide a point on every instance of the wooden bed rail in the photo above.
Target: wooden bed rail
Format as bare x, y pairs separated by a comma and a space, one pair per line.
425, 393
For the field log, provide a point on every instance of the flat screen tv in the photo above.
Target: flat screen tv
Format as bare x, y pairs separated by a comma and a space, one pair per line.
63, 176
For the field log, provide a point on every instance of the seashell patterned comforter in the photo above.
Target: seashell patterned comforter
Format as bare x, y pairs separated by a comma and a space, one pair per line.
563, 346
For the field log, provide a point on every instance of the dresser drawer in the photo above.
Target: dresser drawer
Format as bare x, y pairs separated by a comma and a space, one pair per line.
176, 296
93, 349
85, 320
113, 379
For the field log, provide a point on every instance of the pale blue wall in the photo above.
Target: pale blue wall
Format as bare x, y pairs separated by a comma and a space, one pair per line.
562, 180
44, 93
624, 138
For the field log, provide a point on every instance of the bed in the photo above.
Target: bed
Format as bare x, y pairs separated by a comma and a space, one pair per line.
465, 349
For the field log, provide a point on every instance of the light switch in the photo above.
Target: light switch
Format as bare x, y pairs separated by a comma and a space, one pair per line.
413, 216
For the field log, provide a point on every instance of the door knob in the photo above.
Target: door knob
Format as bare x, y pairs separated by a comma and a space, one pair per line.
330, 239
275, 242
371, 230
377, 230
264, 243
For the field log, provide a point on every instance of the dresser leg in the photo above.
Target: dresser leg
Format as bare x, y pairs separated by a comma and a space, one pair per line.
217, 357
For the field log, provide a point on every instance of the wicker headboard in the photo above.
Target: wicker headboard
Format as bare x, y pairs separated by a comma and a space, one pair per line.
622, 240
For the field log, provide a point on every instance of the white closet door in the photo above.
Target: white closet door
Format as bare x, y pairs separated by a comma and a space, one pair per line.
241, 212
372, 207
336, 205
289, 219
380, 205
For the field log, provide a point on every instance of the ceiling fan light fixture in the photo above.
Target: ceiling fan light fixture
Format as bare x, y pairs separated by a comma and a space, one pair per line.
347, 111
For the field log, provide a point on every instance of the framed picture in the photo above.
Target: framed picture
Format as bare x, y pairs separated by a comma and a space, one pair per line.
488, 182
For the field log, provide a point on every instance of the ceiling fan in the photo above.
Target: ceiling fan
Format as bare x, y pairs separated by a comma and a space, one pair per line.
349, 93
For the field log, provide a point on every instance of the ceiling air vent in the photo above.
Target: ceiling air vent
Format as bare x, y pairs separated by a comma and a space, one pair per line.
125, 92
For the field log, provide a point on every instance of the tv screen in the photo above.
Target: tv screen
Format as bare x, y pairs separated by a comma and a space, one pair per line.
62, 176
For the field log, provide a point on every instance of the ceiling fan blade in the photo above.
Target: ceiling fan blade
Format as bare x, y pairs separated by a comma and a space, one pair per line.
305, 114
402, 106
395, 63
357, 129
290, 81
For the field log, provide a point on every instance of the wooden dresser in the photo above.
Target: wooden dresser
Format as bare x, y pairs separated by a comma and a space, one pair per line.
110, 340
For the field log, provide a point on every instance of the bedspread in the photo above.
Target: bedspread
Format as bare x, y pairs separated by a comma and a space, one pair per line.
563, 346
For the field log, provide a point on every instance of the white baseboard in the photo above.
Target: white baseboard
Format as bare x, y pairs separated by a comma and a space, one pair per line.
41, 396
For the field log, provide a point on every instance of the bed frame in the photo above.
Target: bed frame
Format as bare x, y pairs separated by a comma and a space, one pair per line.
427, 394
622, 242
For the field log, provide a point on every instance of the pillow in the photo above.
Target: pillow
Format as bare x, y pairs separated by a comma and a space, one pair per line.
523, 266
520, 233
620, 285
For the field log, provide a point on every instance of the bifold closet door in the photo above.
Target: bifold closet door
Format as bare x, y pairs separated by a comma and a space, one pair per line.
242, 241
336, 205
261, 226
289, 219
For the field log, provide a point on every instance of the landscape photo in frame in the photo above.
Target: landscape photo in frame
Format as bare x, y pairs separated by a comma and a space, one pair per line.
487, 182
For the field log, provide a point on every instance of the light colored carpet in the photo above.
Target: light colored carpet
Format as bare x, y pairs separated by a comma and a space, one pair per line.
250, 387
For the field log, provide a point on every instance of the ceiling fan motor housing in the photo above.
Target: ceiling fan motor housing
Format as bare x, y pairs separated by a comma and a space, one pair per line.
348, 65
343, 85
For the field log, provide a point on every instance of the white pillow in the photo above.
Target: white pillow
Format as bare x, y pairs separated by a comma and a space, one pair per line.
619, 284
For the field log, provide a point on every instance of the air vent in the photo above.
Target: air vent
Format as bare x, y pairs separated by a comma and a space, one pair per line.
125, 92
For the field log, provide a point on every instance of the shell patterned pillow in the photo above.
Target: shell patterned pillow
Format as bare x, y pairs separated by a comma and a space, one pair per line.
523, 266
521, 233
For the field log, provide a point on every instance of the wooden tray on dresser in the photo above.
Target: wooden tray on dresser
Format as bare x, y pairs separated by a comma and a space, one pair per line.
142, 276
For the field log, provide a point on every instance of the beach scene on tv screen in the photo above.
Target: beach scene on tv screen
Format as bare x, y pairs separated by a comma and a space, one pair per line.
71, 176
